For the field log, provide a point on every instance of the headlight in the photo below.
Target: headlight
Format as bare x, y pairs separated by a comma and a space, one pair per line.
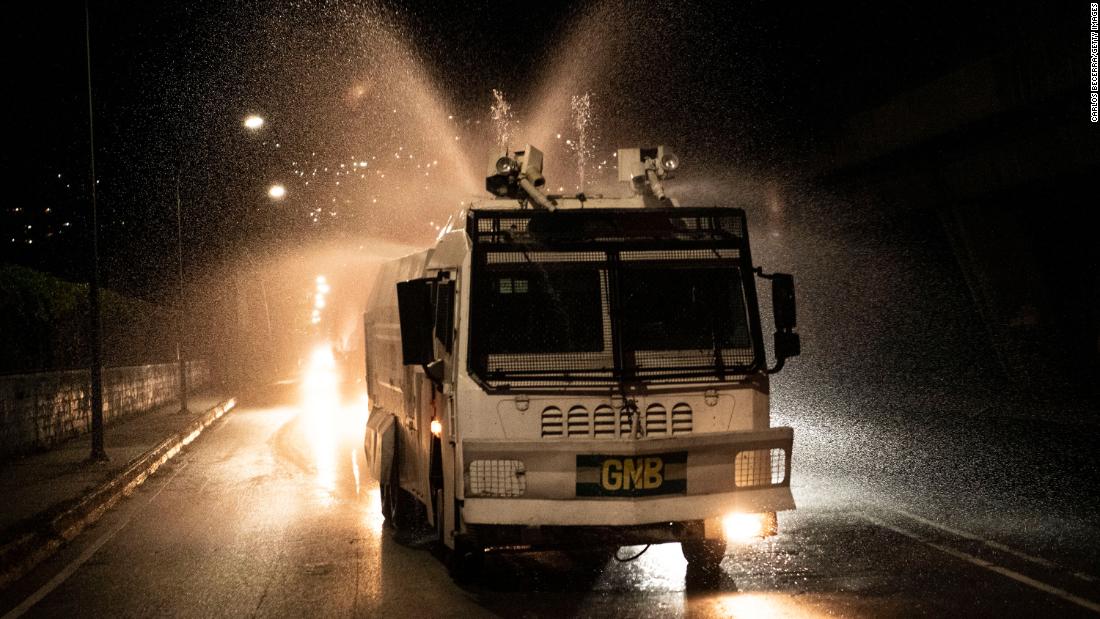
496, 478
760, 468
740, 527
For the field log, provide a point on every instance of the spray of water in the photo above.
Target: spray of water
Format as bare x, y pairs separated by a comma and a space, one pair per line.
361, 136
373, 146
581, 114
500, 113
599, 55
375, 103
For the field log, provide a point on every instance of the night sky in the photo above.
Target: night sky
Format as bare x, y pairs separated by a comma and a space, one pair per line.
759, 86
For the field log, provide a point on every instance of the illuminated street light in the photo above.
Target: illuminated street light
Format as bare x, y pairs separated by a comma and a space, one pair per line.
319, 302
276, 192
253, 122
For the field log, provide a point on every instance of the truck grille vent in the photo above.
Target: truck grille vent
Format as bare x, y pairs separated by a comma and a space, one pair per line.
606, 422
578, 423
551, 422
624, 423
656, 420
681, 419
603, 423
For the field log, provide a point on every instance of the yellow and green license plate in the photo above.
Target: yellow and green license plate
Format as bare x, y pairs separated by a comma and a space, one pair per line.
630, 476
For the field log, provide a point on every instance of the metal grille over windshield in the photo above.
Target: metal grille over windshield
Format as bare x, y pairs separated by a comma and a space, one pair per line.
598, 297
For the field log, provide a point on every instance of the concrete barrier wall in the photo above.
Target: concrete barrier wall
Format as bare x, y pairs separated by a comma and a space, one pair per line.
40, 410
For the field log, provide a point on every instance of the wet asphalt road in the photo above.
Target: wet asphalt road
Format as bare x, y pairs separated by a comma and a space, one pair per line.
270, 513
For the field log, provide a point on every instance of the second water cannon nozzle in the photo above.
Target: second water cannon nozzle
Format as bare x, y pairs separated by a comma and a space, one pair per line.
646, 168
518, 176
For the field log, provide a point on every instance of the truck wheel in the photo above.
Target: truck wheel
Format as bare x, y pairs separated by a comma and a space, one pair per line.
704, 555
385, 493
399, 508
466, 560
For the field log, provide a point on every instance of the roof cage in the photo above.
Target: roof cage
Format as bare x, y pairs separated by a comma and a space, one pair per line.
576, 229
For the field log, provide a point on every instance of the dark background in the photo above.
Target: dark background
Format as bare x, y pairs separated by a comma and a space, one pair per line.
956, 135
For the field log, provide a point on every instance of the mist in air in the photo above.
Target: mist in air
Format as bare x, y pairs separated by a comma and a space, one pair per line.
376, 140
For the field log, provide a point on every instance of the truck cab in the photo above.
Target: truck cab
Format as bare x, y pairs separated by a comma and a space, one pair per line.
579, 371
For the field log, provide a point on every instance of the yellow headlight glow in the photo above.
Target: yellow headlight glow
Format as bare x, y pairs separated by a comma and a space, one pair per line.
739, 527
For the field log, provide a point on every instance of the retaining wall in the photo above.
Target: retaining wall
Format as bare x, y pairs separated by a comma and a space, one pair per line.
40, 410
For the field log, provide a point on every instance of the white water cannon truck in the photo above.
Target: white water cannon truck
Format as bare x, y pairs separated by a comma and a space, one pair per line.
572, 372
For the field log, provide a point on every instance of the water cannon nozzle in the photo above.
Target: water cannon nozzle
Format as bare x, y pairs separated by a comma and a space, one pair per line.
646, 168
518, 176
670, 162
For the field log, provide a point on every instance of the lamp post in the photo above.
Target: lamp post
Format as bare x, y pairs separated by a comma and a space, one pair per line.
263, 288
181, 358
99, 453
254, 123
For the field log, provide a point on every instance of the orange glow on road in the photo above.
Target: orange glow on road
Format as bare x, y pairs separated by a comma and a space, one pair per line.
759, 606
320, 407
331, 429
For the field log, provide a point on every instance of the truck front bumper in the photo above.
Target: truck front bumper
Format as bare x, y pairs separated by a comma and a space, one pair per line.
721, 473
591, 512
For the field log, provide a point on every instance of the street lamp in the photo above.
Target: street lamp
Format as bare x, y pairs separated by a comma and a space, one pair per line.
276, 192
253, 122
267, 308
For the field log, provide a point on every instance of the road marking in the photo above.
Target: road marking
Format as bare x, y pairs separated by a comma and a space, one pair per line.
88, 553
990, 543
993, 567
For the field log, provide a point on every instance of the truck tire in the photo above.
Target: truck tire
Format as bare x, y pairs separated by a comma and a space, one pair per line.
399, 508
385, 494
704, 555
464, 563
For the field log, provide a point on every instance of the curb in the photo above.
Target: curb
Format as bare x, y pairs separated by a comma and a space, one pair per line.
20, 555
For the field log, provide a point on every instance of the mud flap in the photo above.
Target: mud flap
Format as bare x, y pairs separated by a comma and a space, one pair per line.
378, 444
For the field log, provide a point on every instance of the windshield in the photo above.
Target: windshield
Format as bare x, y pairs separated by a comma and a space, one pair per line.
675, 308
543, 311
594, 317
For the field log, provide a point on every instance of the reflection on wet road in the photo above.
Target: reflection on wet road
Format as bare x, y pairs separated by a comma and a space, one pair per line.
271, 513
327, 422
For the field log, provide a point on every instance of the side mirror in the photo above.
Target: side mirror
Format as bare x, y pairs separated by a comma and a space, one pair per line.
787, 342
435, 371
783, 304
415, 311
